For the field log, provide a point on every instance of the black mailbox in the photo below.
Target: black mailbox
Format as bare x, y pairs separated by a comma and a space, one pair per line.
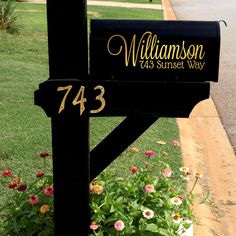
140, 68
154, 50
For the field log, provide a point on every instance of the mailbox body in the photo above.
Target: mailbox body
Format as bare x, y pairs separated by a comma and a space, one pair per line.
154, 50
140, 68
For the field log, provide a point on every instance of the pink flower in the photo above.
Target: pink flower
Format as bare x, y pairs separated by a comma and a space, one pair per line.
12, 185
17, 180
134, 169
93, 226
43, 154
119, 225
22, 187
149, 188
49, 191
176, 143
167, 172
149, 153
33, 200
39, 175
6, 173
181, 197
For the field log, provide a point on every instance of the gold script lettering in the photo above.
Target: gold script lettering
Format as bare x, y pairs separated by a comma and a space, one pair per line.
149, 46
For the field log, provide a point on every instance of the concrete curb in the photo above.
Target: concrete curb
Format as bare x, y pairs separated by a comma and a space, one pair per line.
168, 10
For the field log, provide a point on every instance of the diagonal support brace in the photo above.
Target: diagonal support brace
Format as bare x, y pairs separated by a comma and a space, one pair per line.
101, 156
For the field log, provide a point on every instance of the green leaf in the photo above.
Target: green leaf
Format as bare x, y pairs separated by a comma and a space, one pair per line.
152, 228
113, 209
164, 232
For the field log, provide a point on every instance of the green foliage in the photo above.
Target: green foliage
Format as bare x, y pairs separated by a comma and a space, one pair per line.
147, 205
29, 209
8, 17
124, 13
163, 129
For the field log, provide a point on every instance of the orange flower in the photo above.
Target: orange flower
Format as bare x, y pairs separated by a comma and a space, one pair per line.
134, 150
98, 189
44, 208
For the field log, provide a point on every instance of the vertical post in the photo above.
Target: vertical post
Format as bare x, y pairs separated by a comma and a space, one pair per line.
68, 59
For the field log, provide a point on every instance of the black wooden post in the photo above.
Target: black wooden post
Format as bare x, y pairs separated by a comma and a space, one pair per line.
70, 135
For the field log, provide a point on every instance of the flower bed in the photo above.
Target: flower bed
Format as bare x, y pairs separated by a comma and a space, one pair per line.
143, 204
140, 204
28, 209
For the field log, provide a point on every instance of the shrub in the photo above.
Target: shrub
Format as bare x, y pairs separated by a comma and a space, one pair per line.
8, 17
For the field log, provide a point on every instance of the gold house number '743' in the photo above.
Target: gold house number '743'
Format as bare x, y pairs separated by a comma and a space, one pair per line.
80, 98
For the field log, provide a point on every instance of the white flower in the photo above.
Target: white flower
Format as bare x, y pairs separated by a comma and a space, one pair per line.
198, 174
176, 201
185, 177
148, 213
184, 169
176, 218
161, 142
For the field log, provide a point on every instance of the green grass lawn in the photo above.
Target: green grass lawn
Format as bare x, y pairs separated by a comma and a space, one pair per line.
24, 128
135, 1
124, 13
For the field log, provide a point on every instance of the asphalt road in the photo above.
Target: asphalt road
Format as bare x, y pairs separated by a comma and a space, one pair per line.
224, 92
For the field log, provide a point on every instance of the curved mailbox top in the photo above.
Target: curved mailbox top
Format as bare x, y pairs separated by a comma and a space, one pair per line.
143, 50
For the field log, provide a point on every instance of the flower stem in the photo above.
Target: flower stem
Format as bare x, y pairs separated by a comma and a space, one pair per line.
44, 164
193, 187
